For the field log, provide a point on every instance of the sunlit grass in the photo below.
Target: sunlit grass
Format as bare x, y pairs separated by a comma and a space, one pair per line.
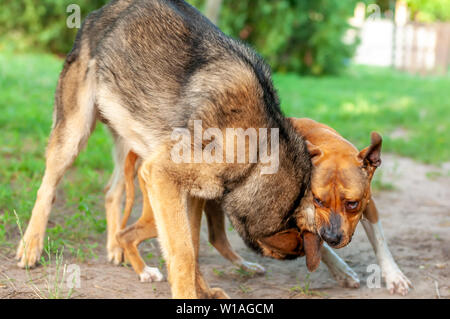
375, 99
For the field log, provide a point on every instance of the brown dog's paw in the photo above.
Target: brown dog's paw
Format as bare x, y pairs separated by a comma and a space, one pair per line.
115, 254
252, 268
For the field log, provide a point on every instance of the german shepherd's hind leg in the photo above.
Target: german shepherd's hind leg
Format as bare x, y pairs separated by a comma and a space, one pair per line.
74, 120
145, 228
218, 238
113, 201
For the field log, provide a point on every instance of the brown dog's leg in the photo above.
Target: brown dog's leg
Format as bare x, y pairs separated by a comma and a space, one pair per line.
130, 171
218, 238
338, 268
132, 236
113, 201
396, 281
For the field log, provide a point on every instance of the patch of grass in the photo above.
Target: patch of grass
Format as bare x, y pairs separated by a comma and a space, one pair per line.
218, 272
244, 273
161, 263
245, 289
54, 268
305, 289
434, 175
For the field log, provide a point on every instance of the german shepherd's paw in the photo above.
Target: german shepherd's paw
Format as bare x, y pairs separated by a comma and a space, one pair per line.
115, 254
217, 293
29, 250
151, 274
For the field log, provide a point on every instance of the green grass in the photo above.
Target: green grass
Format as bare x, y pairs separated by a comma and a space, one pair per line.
27, 85
363, 100
376, 99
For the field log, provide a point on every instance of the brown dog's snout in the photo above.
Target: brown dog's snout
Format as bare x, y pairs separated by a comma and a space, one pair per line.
332, 232
330, 236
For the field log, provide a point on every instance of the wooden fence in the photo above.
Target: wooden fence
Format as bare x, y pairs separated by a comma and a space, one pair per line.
422, 48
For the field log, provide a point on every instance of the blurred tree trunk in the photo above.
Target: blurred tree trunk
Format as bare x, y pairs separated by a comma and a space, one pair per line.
213, 10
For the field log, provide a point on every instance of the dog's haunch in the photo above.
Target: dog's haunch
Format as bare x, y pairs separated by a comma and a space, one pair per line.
290, 244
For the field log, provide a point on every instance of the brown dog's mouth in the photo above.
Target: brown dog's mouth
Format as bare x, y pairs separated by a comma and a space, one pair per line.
291, 244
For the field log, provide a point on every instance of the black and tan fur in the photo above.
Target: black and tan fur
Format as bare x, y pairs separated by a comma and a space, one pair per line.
146, 67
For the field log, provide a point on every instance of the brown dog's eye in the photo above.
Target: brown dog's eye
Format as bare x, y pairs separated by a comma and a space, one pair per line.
318, 202
352, 205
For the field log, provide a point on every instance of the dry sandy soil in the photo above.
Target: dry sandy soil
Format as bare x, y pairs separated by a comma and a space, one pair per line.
416, 220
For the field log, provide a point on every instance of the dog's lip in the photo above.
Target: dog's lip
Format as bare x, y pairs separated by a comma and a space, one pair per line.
340, 245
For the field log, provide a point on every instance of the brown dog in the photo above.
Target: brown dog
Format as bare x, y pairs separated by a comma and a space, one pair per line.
340, 185
341, 189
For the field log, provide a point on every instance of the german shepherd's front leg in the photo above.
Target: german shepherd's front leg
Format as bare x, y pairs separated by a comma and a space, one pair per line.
170, 207
195, 216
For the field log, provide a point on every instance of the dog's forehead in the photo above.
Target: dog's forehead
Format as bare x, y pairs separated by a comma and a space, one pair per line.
346, 179
353, 182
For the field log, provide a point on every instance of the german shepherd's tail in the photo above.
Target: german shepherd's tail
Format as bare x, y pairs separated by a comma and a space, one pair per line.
130, 173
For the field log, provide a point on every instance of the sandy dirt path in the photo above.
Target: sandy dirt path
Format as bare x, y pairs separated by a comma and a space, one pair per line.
416, 220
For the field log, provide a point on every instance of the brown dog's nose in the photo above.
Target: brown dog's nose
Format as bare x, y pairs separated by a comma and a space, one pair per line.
331, 236
332, 233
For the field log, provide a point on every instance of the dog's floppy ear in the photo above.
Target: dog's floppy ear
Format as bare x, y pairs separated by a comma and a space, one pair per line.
312, 244
313, 151
372, 155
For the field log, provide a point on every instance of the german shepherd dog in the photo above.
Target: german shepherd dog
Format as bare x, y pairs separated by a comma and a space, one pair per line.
144, 68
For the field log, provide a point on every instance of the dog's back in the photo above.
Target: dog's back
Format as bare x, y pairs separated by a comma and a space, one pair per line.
193, 65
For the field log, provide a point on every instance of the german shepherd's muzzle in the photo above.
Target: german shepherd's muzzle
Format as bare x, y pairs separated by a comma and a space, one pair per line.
145, 68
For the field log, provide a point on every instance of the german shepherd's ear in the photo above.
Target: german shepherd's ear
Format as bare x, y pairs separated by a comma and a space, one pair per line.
371, 156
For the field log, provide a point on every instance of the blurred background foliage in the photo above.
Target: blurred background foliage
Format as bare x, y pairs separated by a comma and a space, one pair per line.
429, 10
293, 35
302, 36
